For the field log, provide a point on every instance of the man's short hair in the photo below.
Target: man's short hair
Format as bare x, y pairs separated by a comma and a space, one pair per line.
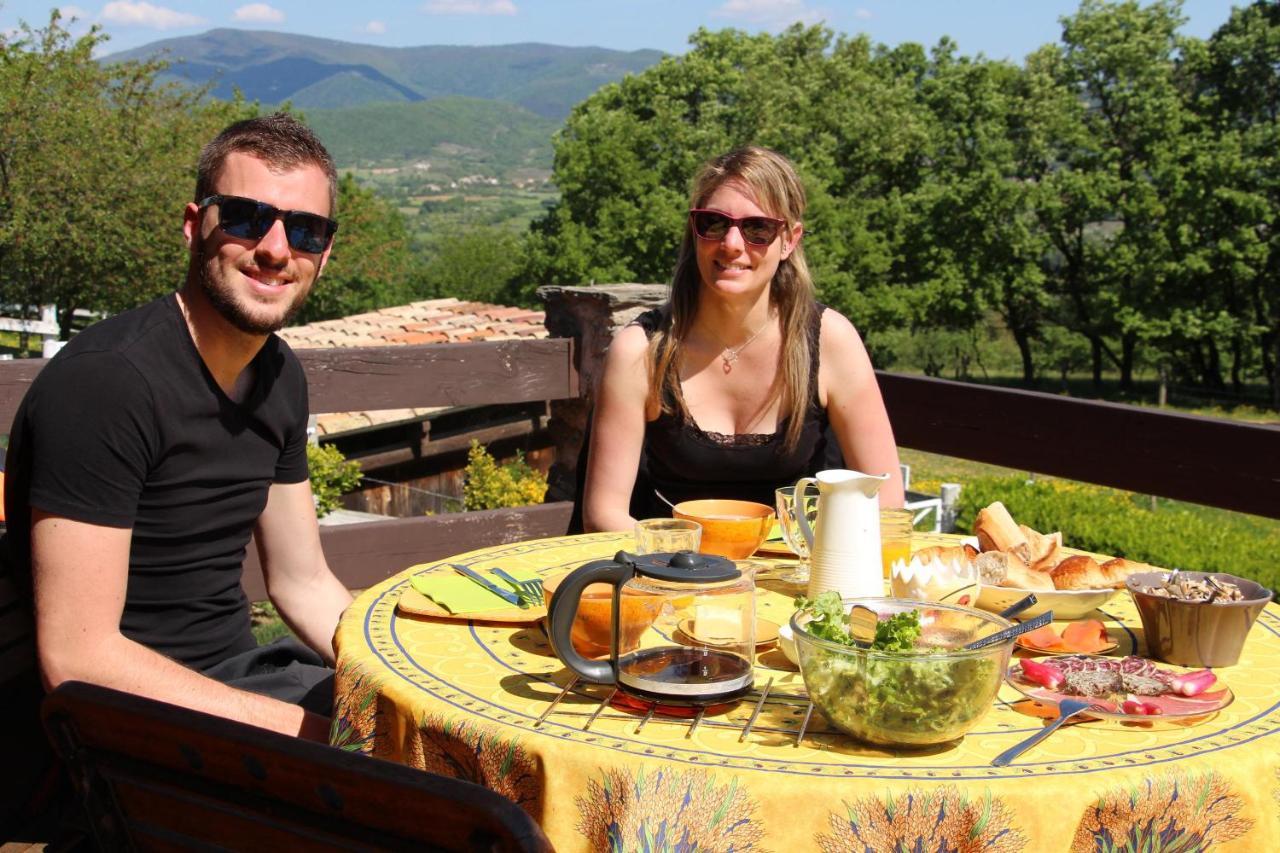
279, 140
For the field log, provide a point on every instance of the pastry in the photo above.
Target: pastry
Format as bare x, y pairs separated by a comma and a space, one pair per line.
1079, 572
960, 555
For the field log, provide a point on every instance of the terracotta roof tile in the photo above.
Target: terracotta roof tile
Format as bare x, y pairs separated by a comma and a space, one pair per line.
417, 338
427, 321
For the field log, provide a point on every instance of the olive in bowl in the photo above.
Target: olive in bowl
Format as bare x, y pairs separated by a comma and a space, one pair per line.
1196, 618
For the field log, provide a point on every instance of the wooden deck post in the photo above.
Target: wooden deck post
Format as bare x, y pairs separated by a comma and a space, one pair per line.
591, 316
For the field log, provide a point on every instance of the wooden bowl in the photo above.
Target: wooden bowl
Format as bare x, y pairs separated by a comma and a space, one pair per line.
733, 529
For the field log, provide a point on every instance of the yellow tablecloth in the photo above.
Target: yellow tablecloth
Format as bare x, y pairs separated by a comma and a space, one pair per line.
463, 699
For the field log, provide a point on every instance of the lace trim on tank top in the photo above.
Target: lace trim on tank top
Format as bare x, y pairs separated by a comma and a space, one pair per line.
741, 439
649, 320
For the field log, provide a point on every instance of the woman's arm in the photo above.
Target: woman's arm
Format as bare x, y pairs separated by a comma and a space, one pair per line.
617, 433
856, 408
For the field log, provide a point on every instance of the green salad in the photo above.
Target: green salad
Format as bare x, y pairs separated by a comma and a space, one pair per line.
893, 693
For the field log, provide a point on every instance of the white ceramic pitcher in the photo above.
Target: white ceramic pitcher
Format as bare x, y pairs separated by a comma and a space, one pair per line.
844, 541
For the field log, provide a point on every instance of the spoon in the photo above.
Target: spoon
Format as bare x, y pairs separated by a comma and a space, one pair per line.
1009, 633
663, 498
1067, 709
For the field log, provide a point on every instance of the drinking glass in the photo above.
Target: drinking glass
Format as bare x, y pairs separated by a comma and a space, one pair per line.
786, 500
667, 535
895, 537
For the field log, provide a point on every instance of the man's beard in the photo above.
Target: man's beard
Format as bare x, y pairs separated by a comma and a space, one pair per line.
223, 298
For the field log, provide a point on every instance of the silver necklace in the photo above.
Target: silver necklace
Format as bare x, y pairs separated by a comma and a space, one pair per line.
730, 354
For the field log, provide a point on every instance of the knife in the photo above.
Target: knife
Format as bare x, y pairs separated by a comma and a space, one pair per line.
509, 597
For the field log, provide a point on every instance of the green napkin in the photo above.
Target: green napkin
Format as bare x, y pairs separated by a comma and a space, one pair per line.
459, 594
775, 533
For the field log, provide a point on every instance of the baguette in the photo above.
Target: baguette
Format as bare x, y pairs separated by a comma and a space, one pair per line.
1002, 568
996, 531
1044, 548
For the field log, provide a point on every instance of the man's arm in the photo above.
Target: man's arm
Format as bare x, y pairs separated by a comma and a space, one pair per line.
80, 573
299, 580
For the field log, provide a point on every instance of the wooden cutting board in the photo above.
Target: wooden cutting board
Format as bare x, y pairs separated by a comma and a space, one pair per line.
414, 603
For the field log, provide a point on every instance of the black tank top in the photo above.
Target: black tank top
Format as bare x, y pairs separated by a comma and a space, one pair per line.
684, 462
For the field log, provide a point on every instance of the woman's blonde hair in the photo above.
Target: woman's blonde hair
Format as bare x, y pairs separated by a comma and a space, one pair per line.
776, 189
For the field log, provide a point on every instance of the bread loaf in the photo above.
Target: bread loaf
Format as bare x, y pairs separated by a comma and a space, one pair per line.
996, 531
1044, 548
1002, 568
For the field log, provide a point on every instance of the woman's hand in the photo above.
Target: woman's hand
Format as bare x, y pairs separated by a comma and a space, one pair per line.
856, 409
617, 433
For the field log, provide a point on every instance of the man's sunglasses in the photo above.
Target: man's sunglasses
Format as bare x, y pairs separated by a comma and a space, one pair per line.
756, 230
249, 219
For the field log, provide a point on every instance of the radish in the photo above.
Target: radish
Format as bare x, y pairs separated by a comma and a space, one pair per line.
1193, 683
1044, 674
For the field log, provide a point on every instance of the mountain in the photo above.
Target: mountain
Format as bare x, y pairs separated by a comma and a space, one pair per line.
323, 73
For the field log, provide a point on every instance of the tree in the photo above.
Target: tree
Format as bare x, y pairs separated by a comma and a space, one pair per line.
1105, 207
96, 163
1240, 94
478, 263
372, 264
840, 111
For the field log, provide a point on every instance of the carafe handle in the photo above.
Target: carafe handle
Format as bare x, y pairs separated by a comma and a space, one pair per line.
802, 517
564, 607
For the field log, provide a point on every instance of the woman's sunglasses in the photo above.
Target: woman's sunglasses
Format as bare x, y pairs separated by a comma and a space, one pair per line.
756, 230
249, 219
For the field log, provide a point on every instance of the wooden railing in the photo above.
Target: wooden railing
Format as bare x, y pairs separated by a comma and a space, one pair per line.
1204, 460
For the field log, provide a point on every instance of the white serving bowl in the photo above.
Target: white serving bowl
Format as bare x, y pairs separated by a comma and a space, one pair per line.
787, 642
1065, 603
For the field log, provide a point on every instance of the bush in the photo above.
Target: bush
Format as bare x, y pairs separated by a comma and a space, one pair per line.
332, 476
488, 485
1108, 521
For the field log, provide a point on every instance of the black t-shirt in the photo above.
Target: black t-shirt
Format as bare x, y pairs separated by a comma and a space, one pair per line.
127, 428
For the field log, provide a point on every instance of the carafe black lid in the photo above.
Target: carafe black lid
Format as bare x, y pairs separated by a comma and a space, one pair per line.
682, 567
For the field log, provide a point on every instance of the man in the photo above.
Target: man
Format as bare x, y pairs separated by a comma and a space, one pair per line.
147, 452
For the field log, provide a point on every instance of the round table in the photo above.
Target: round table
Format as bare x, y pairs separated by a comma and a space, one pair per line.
478, 701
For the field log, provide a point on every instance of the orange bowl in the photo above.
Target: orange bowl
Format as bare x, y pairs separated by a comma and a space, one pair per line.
733, 529
591, 627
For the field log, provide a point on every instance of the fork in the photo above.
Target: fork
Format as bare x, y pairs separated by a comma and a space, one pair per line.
1067, 709
530, 590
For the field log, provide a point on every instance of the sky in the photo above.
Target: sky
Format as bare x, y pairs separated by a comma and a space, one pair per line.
999, 29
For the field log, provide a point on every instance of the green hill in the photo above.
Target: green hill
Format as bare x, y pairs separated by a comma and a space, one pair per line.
489, 135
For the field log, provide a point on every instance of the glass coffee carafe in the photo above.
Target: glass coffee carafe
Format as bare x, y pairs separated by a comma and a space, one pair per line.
697, 644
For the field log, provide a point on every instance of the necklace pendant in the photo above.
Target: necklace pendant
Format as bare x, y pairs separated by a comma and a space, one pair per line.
728, 359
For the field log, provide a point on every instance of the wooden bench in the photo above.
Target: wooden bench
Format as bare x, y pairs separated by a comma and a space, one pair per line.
154, 776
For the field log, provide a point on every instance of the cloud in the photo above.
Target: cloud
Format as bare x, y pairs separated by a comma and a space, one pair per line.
69, 12
375, 27
863, 14
769, 12
469, 7
145, 15
259, 13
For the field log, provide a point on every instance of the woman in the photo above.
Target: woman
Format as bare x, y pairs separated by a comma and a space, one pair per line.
732, 388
